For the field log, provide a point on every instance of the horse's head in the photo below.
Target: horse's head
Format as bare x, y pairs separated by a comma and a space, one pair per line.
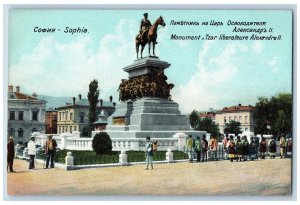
161, 21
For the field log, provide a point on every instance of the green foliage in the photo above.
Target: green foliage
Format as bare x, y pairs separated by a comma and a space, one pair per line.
194, 119
209, 126
232, 127
93, 95
205, 124
102, 143
85, 132
90, 157
276, 113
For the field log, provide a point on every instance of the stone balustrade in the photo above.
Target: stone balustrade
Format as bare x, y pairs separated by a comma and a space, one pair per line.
67, 141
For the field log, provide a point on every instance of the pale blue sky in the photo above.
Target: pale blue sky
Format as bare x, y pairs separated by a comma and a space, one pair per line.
205, 73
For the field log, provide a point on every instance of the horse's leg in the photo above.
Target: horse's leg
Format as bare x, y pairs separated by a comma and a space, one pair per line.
142, 48
149, 46
154, 47
137, 50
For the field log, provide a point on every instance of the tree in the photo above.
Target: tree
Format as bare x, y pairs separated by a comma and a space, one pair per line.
93, 100
102, 143
85, 131
232, 127
194, 119
274, 115
206, 124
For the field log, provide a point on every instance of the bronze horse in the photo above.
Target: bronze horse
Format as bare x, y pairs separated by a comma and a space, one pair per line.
150, 37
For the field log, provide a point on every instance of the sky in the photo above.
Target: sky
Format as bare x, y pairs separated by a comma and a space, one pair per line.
207, 74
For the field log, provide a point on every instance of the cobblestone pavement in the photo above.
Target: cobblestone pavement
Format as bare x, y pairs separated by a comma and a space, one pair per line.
260, 177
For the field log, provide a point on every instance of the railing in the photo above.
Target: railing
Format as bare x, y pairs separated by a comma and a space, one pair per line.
67, 141
75, 143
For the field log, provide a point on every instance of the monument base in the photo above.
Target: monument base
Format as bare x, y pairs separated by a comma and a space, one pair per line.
153, 134
154, 117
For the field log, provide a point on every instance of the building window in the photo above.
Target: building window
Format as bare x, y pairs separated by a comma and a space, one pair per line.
70, 129
246, 119
246, 129
81, 117
34, 130
240, 118
71, 116
35, 115
59, 129
63, 116
225, 119
12, 132
21, 114
75, 128
234, 118
20, 133
63, 129
67, 115
229, 119
11, 115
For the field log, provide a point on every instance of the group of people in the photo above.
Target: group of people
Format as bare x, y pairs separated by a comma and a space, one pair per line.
200, 147
241, 148
50, 149
237, 149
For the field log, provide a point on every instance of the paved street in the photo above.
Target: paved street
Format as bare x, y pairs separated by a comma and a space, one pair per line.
210, 178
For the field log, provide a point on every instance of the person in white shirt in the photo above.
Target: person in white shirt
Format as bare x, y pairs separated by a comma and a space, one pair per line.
31, 152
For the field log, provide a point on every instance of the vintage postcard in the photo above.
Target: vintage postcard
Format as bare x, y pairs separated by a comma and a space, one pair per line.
144, 102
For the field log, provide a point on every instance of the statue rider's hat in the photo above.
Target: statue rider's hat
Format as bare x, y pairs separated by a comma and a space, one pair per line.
145, 14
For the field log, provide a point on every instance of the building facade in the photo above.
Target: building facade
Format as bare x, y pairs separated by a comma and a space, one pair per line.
74, 116
242, 114
51, 121
26, 114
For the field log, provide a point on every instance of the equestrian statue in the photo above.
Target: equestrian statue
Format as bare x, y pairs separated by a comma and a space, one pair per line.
148, 34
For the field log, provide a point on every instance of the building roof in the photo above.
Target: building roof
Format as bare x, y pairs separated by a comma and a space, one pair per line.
238, 108
84, 103
207, 115
21, 96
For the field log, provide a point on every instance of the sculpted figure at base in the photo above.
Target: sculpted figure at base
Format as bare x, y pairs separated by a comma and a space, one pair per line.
152, 85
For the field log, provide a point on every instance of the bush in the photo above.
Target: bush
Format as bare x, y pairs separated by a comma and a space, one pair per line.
102, 143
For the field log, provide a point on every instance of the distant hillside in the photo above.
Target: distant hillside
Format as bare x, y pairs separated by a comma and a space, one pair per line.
54, 102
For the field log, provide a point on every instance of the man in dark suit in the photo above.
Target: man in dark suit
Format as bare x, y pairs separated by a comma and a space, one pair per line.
10, 154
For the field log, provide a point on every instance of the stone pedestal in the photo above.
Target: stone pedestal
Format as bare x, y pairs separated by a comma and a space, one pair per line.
69, 160
169, 156
123, 158
156, 117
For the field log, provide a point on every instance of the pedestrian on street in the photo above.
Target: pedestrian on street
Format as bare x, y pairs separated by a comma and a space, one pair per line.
231, 149
282, 143
263, 147
225, 142
10, 154
31, 152
149, 153
198, 148
239, 148
50, 151
253, 149
189, 148
245, 145
204, 149
289, 147
272, 148
213, 148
